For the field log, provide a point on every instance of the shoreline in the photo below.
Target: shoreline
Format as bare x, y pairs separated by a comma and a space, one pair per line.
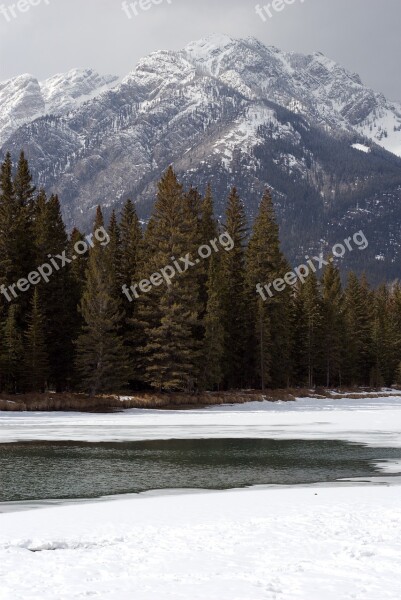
70, 402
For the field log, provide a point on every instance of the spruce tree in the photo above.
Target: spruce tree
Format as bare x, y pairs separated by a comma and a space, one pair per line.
235, 320
23, 188
114, 252
213, 343
333, 324
358, 341
12, 353
24, 250
36, 355
131, 244
208, 224
17, 256
131, 264
270, 313
101, 357
8, 214
311, 316
208, 231
170, 313
57, 301
385, 338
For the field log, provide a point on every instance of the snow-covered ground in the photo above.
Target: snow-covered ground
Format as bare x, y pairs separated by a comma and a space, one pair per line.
370, 420
292, 543
313, 543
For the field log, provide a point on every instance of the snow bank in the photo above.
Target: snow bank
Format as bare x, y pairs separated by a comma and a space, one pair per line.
314, 542
361, 148
374, 421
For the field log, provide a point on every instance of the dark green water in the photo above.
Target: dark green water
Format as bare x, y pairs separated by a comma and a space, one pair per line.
61, 470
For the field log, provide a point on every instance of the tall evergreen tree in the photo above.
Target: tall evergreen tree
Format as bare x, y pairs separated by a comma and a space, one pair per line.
358, 341
57, 301
114, 252
208, 231
36, 355
24, 198
234, 293
101, 356
131, 243
12, 353
23, 188
384, 340
171, 312
311, 322
17, 255
270, 313
8, 214
213, 343
333, 324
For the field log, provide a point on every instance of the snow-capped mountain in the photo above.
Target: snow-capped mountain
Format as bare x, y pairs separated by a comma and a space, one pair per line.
229, 111
24, 99
313, 85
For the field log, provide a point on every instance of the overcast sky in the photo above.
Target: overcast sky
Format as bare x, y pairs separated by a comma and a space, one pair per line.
57, 35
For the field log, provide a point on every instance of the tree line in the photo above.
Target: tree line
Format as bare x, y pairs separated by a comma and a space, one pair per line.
207, 330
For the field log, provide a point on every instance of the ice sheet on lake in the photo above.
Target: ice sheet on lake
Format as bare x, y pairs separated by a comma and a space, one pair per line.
374, 421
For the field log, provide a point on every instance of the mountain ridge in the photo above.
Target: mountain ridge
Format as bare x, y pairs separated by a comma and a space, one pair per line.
231, 112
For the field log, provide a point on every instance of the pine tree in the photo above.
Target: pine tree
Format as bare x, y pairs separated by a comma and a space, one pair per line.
8, 215
312, 328
77, 277
131, 244
208, 225
12, 353
358, 342
57, 301
17, 256
114, 252
36, 356
78, 267
333, 324
395, 309
300, 353
24, 194
213, 343
270, 342
234, 293
384, 340
170, 313
101, 356
207, 232
23, 188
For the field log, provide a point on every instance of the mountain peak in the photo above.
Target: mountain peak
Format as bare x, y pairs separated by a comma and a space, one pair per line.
213, 40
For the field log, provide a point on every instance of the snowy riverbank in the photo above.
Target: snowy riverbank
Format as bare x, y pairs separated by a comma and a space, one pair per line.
289, 543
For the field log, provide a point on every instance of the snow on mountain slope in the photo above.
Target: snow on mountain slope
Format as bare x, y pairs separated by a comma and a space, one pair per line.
234, 112
325, 90
66, 91
24, 99
327, 93
21, 101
